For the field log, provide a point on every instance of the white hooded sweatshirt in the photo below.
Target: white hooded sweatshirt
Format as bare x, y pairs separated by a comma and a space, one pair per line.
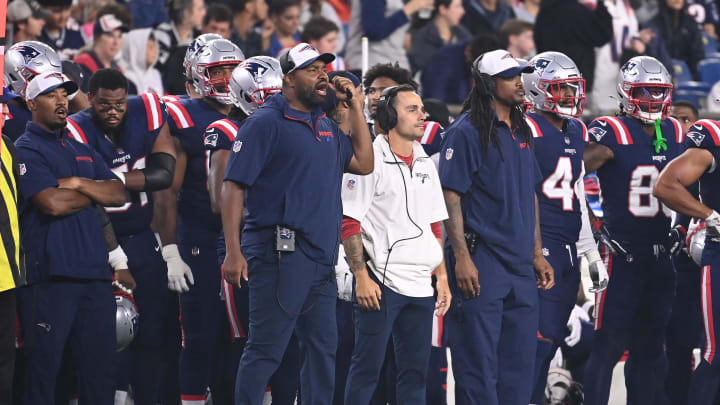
147, 79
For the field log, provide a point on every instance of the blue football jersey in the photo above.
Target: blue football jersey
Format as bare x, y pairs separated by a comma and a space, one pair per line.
146, 114
190, 118
631, 212
559, 155
221, 134
17, 118
705, 134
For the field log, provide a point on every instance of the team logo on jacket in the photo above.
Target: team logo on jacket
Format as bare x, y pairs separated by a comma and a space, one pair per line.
211, 140
597, 133
449, 153
23, 169
696, 137
236, 146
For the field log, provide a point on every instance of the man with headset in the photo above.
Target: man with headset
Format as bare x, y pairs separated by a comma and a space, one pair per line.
394, 216
489, 174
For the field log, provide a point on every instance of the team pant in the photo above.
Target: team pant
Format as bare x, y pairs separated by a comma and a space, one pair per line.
632, 314
297, 294
200, 315
555, 307
684, 331
346, 345
80, 313
7, 345
409, 321
706, 378
493, 337
142, 364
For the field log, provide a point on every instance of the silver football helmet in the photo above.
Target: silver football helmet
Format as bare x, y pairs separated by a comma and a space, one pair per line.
696, 240
217, 52
556, 85
126, 320
193, 47
645, 89
27, 59
253, 81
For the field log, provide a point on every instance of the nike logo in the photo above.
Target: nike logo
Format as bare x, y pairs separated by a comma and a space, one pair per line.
603, 123
45, 326
157, 248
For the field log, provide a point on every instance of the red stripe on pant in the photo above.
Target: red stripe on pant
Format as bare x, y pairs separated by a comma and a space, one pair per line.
708, 315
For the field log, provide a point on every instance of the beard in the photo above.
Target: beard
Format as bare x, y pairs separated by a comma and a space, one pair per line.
57, 125
309, 98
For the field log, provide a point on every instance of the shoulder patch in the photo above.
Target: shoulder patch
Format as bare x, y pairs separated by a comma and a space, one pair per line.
227, 127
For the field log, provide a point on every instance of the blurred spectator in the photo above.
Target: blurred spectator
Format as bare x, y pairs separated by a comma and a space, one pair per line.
186, 17
107, 43
437, 110
321, 8
67, 42
705, 12
516, 36
680, 33
384, 23
627, 43
246, 35
323, 35
139, 54
27, 19
713, 99
148, 13
686, 112
218, 20
88, 14
485, 16
444, 29
285, 16
572, 28
527, 10
450, 81
343, 9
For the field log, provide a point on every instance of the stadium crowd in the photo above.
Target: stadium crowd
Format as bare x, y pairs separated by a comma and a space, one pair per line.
243, 202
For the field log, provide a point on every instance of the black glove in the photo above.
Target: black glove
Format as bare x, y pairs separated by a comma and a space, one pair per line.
677, 239
602, 236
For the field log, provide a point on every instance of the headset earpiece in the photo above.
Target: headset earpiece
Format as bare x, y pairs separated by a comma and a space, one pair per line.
386, 115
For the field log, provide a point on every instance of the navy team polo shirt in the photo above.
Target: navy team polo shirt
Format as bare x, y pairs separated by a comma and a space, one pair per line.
498, 194
292, 164
72, 245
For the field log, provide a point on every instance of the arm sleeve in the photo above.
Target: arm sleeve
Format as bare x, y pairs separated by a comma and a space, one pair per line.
36, 173
252, 150
585, 242
374, 23
350, 227
458, 160
357, 194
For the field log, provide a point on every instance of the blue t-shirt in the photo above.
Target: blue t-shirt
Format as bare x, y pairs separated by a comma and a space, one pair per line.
60, 246
630, 211
498, 193
292, 165
145, 116
197, 225
560, 157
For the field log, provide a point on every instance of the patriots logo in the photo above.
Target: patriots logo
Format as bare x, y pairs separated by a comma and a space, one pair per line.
696, 137
541, 64
255, 69
629, 67
27, 52
597, 133
211, 139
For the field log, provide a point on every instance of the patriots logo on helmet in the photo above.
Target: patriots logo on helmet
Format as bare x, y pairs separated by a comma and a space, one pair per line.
27, 52
541, 64
696, 137
211, 139
597, 133
255, 69
629, 67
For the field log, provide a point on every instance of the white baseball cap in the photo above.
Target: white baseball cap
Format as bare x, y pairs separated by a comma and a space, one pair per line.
301, 56
500, 63
47, 82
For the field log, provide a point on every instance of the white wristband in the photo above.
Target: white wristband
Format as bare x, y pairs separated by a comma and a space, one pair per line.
117, 259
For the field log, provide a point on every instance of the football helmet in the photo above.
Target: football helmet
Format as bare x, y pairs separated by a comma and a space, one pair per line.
556, 85
126, 320
217, 52
193, 47
253, 81
645, 89
696, 240
27, 59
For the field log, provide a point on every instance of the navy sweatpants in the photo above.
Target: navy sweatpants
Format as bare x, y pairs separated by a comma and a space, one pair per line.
80, 313
291, 294
706, 378
143, 360
555, 307
409, 321
493, 337
632, 314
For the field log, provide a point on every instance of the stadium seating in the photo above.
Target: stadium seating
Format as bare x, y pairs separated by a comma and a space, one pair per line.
709, 70
680, 71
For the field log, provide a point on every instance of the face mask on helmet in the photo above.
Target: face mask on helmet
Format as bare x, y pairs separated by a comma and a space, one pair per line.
649, 101
217, 80
565, 97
